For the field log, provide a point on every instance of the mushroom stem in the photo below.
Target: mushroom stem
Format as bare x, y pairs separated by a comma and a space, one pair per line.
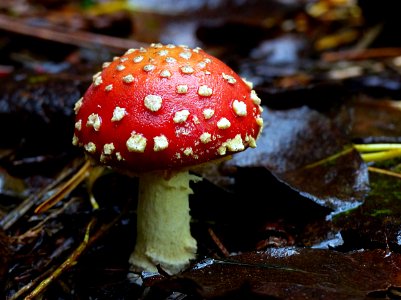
163, 223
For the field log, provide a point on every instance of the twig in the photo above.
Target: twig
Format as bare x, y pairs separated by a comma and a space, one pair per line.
76, 38
65, 189
13, 216
32, 232
218, 242
69, 262
385, 172
361, 54
27, 287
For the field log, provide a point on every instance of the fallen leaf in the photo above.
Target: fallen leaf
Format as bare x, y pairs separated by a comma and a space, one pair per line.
291, 273
306, 150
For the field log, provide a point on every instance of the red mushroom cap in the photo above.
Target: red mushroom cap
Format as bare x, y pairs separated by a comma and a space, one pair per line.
166, 107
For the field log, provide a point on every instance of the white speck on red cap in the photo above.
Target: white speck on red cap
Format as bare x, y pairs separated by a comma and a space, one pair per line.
208, 113
188, 151
239, 108
182, 89
94, 121
108, 148
248, 83
205, 91
137, 59
78, 105
118, 114
129, 51
78, 125
90, 147
230, 79
153, 102
163, 52
181, 116
136, 142
75, 140
234, 145
120, 67
223, 123
160, 143
106, 64
148, 68
128, 78
255, 98
97, 79
186, 55
205, 137
187, 69
170, 59
165, 73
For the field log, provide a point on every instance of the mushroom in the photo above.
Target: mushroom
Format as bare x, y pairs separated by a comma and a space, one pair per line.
156, 112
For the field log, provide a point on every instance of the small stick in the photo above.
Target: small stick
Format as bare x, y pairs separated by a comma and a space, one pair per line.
72, 259
13, 216
385, 172
38, 227
65, 189
69, 262
76, 38
218, 243
361, 54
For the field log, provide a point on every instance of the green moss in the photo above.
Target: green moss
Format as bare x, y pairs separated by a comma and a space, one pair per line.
383, 201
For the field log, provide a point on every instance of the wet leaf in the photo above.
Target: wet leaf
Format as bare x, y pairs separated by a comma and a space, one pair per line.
306, 150
12, 186
376, 120
291, 273
378, 220
30, 103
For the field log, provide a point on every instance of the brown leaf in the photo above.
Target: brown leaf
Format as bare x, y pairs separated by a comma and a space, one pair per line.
376, 119
306, 150
378, 220
292, 273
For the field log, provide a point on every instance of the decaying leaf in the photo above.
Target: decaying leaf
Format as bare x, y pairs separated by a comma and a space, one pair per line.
39, 108
378, 220
291, 273
306, 150
376, 120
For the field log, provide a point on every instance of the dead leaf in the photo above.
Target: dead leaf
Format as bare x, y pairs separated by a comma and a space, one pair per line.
306, 150
291, 273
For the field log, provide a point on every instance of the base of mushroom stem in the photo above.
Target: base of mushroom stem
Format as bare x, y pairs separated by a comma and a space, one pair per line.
163, 223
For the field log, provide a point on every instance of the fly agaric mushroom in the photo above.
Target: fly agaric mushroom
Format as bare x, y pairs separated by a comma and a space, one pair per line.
155, 112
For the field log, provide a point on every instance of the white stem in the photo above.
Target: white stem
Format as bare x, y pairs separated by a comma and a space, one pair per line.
163, 227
